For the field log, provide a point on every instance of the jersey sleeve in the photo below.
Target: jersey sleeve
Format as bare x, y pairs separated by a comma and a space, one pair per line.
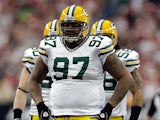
105, 49
42, 51
133, 61
28, 59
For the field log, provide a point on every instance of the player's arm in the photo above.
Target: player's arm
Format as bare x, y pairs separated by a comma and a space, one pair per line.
116, 68
20, 99
136, 90
39, 72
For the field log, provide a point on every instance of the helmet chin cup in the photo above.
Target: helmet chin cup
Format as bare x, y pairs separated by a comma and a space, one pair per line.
70, 39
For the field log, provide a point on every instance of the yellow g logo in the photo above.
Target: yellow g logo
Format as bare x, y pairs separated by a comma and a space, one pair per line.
85, 12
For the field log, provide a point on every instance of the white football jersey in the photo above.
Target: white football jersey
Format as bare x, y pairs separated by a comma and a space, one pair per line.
29, 59
130, 58
79, 74
154, 107
157, 106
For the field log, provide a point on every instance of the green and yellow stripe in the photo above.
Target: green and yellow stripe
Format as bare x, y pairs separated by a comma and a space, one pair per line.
28, 59
43, 52
106, 50
132, 62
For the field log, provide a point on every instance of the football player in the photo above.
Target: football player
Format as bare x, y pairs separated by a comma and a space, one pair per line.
130, 58
77, 63
154, 108
29, 60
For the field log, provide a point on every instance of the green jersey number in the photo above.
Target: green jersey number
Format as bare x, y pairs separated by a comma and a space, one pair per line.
47, 85
35, 52
96, 41
64, 70
50, 40
124, 53
110, 84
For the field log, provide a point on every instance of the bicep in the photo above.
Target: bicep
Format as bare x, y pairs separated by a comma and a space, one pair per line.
115, 67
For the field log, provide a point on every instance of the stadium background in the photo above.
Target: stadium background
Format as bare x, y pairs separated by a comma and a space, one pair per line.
22, 23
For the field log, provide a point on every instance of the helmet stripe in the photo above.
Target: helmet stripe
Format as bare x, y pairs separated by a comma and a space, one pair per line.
71, 10
53, 25
99, 26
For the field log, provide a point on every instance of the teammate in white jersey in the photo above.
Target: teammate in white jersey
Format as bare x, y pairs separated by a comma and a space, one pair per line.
130, 58
153, 112
77, 63
29, 60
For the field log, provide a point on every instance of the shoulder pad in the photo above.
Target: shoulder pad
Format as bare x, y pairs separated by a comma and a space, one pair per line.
30, 54
129, 57
128, 54
102, 41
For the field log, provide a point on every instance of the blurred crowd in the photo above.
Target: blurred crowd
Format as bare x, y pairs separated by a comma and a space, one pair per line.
22, 23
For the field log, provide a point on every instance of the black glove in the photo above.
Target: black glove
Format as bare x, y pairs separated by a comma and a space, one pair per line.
106, 112
17, 114
135, 111
43, 111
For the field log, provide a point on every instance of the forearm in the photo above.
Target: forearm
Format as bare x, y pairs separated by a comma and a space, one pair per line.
138, 98
20, 100
136, 89
35, 91
120, 91
137, 102
136, 105
19, 103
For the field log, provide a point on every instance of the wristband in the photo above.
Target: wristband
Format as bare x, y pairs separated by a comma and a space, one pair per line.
135, 111
17, 113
